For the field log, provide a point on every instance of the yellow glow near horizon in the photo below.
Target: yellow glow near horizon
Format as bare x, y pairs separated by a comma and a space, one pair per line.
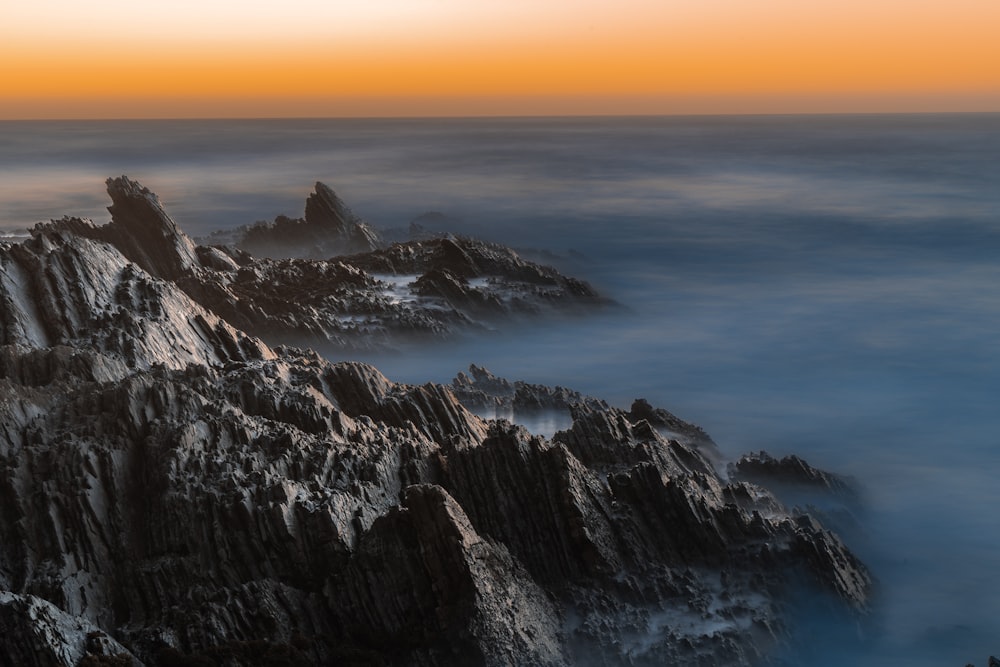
111, 58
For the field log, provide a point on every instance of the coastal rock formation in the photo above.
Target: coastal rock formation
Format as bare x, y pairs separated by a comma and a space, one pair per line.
482, 391
789, 472
329, 228
485, 394
63, 288
323, 510
437, 288
176, 491
36, 632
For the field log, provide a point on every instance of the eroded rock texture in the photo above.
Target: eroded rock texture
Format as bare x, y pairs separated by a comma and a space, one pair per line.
436, 288
173, 489
290, 499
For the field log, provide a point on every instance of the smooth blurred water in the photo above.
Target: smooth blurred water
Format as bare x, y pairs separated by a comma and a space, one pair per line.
826, 286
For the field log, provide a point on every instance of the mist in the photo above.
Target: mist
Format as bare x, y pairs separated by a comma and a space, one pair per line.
823, 286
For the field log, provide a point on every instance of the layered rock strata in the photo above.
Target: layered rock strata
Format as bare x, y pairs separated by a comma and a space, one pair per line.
328, 228
175, 491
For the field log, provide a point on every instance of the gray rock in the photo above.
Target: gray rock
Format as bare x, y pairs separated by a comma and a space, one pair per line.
288, 499
329, 229
481, 390
436, 288
195, 494
36, 633
790, 472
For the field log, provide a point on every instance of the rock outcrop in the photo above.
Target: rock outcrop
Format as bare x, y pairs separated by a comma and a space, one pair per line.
438, 288
321, 508
176, 491
790, 472
482, 391
62, 287
485, 394
329, 228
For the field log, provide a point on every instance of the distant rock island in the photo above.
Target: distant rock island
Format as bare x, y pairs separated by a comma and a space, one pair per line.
180, 489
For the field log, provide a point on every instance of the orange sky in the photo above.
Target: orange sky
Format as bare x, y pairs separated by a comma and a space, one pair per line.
252, 58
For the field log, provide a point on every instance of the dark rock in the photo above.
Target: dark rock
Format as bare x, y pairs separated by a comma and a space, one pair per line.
352, 302
442, 284
428, 556
36, 633
284, 497
62, 288
174, 490
143, 231
329, 229
518, 279
489, 395
217, 259
671, 426
790, 472
482, 391
326, 210
276, 497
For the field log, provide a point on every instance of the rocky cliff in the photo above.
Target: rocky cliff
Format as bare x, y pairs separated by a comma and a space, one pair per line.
176, 491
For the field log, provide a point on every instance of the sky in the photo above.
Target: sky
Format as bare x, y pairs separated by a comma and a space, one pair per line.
309, 58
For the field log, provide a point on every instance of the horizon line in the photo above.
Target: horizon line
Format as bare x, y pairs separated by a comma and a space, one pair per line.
525, 116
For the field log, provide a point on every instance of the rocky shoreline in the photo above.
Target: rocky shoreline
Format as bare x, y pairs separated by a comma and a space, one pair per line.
435, 288
178, 488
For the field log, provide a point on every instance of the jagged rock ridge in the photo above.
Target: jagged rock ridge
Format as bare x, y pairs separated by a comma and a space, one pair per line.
437, 288
174, 489
293, 499
487, 395
329, 228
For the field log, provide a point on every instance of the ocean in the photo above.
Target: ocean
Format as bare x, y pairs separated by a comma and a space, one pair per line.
827, 286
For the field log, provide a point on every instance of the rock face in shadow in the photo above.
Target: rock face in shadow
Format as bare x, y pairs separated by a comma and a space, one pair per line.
34, 632
175, 491
329, 228
143, 231
481, 390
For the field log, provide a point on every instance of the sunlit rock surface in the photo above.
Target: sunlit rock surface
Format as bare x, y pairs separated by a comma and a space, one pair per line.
173, 489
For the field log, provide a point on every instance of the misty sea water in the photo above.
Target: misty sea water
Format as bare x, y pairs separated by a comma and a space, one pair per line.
827, 286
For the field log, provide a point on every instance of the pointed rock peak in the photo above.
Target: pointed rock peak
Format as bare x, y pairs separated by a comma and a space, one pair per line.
326, 211
325, 208
143, 231
482, 374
